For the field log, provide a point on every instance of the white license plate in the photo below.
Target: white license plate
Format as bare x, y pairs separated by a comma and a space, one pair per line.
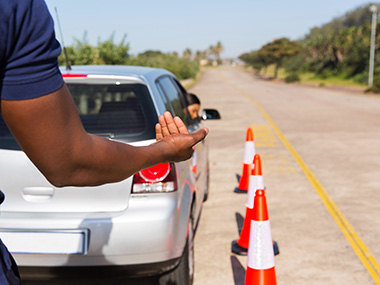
49, 242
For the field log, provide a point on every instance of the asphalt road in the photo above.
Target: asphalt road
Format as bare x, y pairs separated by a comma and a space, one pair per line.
320, 151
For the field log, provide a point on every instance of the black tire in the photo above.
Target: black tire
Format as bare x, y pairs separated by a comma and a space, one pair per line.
183, 274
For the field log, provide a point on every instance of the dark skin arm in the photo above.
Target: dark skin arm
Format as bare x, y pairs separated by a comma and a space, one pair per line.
50, 132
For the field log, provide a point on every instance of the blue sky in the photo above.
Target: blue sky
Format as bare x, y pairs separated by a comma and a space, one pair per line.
169, 25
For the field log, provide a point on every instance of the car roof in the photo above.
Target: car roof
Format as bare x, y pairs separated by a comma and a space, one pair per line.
147, 74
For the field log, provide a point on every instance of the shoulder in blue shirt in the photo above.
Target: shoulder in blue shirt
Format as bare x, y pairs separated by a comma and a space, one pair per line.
28, 50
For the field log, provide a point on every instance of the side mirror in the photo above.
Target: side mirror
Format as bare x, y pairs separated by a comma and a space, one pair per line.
210, 114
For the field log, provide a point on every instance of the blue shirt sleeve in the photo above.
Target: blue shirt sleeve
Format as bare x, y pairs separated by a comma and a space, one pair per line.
28, 50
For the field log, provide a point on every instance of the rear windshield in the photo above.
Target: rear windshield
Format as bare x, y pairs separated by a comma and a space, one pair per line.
124, 112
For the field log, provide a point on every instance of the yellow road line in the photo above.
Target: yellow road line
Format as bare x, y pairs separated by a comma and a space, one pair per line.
357, 244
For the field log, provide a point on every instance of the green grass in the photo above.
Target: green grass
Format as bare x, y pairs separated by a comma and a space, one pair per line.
330, 81
312, 79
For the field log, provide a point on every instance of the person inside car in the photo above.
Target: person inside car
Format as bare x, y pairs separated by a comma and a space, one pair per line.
194, 105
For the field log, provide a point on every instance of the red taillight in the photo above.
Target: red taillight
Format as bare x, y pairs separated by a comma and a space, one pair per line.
156, 173
159, 178
74, 75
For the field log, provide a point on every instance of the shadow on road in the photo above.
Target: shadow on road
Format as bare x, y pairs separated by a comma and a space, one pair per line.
238, 271
239, 222
238, 178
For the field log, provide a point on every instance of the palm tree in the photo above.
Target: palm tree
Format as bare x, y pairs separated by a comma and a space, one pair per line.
188, 54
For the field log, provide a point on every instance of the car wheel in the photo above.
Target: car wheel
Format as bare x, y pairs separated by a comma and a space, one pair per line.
183, 274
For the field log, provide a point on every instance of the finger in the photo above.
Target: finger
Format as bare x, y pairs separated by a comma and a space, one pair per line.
180, 126
172, 127
199, 135
159, 135
164, 129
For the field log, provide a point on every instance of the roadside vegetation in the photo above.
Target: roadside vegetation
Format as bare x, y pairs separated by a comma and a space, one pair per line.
185, 66
337, 53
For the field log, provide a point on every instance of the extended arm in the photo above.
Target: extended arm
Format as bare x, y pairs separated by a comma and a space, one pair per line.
50, 132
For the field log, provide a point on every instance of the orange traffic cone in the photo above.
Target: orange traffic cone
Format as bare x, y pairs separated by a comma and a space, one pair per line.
260, 262
249, 152
256, 182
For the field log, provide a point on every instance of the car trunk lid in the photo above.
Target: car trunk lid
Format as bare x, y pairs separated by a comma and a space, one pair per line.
26, 190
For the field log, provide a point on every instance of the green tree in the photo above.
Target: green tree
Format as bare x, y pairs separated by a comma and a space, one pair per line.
214, 52
277, 51
183, 68
187, 54
84, 53
151, 54
256, 60
111, 53
107, 52
295, 64
356, 56
218, 50
340, 47
200, 56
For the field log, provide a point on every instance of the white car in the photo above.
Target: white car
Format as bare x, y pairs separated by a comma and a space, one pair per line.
143, 225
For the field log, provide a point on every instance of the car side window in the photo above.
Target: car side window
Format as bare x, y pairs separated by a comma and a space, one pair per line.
180, 87
173, 96
164, 98
183, 91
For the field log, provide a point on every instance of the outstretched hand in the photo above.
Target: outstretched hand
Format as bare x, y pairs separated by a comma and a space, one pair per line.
175, 139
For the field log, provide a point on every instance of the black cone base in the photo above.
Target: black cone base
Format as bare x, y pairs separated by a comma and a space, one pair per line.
276, 249
239, 191
236, 248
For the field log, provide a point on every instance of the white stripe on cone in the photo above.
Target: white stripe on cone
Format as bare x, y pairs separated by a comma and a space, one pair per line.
256, 182
249, 152
260, 251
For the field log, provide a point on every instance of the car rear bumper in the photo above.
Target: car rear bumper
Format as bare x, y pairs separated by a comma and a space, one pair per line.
98, 273
151, 231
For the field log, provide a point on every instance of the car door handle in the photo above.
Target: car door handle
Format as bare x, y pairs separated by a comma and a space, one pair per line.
39, 191
37, 194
